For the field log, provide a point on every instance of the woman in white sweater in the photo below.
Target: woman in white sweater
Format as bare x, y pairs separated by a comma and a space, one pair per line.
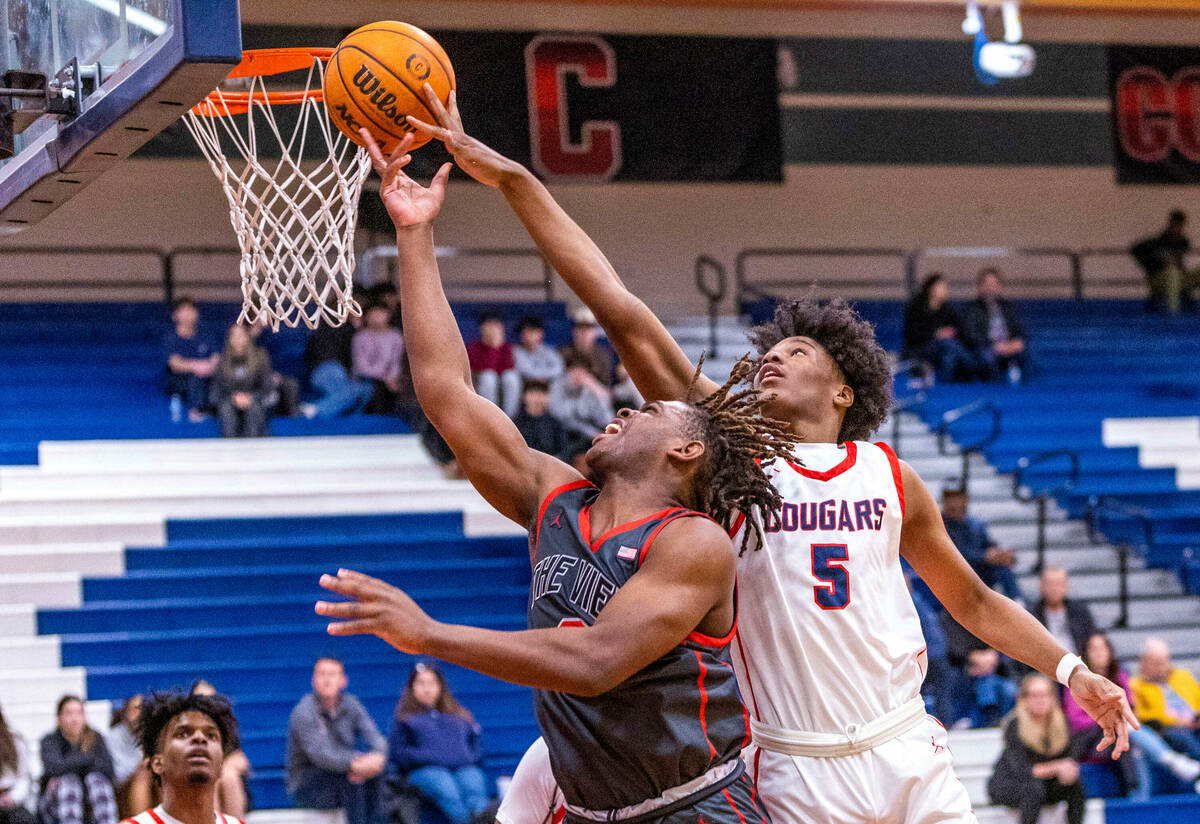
16, 782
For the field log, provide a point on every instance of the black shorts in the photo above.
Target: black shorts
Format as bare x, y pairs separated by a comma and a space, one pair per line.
735, 802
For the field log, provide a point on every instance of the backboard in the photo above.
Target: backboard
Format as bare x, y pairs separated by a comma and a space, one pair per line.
134, 66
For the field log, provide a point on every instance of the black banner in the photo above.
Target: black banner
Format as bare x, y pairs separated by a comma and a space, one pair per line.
1155, 113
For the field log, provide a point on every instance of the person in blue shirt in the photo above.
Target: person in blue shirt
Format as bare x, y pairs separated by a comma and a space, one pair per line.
435, 744
191, 360
992, 563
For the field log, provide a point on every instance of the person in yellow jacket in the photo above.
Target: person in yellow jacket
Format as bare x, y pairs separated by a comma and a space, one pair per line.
1167, 698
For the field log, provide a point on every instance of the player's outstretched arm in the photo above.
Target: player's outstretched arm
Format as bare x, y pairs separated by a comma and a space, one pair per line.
488, 446
685, 583
997, 621
657, 365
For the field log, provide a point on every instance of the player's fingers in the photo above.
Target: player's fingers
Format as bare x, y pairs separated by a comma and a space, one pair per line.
344, 609
455, 117
1122, 739
344, 586
364, 626
401, 148
373, 150
429, 129
435, 105
438, 184
1130, 716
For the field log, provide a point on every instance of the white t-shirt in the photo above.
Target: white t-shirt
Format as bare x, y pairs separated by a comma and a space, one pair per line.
533, 797
160, 816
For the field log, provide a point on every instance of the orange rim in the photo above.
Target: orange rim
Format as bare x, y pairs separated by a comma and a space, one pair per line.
263, 63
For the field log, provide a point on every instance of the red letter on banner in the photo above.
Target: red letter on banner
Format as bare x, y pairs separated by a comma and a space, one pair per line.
1144, 105
1187, 113
548, 60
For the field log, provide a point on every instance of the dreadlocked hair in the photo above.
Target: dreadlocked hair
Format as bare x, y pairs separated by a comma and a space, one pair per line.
739, 442
851, 342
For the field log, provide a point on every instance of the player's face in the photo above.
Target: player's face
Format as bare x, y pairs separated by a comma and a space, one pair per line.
797, 377
639, 438
189, 751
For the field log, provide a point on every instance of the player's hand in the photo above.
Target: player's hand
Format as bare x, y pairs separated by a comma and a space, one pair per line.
1106, 703
376, 609
475, 158
407, 203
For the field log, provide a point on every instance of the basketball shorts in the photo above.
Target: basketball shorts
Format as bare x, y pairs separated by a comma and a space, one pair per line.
735, 803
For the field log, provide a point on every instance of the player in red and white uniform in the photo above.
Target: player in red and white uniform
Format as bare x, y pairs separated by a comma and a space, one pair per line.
533, 797
829, 650
186, 737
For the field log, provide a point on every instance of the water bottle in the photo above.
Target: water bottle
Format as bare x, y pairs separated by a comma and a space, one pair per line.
176, 409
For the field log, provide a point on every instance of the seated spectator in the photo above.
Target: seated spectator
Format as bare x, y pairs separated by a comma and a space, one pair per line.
1070, 622
233, 793
981, 679
534, 359
384, 292
328, 355
1163, 258
16, 780
541, 430
285, 388
1168, 699
992, 563
933, 333
585, 344
579, 401
376, 352
493, 366
242, 389
1147, 744
624, 394
191, 361
131, 775
994, 331
435, 744
992, 693
77, 771
937, 688
335, 753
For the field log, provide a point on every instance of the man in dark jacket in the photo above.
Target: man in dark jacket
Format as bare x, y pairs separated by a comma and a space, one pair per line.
994, 330
1163, 259
541, 430
1069, 621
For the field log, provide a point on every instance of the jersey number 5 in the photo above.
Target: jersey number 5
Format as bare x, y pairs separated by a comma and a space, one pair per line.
827, 561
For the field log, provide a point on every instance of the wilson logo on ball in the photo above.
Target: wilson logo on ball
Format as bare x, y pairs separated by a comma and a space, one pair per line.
378, 96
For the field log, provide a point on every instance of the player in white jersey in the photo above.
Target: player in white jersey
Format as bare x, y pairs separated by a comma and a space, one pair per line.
533, 797
829, 647
186, 737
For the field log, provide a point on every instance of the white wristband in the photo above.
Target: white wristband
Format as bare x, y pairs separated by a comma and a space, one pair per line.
1066, 666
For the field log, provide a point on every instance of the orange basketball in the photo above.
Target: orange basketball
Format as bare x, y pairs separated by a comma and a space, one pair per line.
374, 79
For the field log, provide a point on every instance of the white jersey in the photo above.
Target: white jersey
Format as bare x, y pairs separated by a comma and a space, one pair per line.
158, 815
533, 797
828, 637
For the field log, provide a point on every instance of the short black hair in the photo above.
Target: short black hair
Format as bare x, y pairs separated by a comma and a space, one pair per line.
1177, 216
850, 341
534, 385
182, 301
576, 359
489, 315
159, 708
530, 322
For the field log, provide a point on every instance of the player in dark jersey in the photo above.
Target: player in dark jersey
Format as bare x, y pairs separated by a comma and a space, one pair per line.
633, 601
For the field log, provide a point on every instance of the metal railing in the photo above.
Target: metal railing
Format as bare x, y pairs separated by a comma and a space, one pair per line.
952, 417
743, 288
544, 283
1103, 508
713, 290
1043, 494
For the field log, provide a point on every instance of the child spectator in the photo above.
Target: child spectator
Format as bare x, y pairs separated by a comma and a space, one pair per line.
535, 360
131, 776
77, 771
232, 792
435, 744
624, 394
541, 430
376, 351
1037, 766
16, 781
327, 352
579, 400
242, 389
933, 332
493, 365
191, 361
585, 344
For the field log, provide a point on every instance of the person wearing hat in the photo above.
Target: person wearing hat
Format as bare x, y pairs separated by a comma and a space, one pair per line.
585, 344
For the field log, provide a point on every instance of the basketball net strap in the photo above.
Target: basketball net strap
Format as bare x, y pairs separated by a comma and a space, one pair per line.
295, 227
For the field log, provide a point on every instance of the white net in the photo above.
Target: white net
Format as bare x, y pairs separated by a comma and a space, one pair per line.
293, 201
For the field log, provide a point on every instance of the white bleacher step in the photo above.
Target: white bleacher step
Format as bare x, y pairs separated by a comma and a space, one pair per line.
36, 686
1071, 533
104, 558
73, 527
296, 816
42, 589
1147, 613
1182, 640
38, 652
17, 620
1157, 432
1093, 814
1076, 558
1088, 585
1008, 510
480, 521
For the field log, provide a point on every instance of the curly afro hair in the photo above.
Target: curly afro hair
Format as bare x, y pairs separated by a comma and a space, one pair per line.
851, 342
159, 708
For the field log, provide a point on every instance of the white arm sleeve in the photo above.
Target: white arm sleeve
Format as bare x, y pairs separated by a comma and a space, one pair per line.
533, 796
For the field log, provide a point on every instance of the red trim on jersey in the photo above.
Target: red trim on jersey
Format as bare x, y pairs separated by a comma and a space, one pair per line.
150, 812
559, 815
550, 496
585, 525
679, 513
718, 643
754, 783
896, 476
737, 524
749, 679
847, 462
729, 798
704, 702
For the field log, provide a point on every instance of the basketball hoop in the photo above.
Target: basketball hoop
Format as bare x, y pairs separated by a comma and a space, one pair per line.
295, 227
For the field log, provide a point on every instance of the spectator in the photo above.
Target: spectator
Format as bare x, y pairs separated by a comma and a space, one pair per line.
191, 361
1163, 259
534, 359
977, 672
1069, 621
493, 365
585, 344
577, 450
16, 781
541, 430
335, 753
385, 293
1037, 765
995, 332
993, 563
624, 394
233, 793
937, 689
327, 352
76, 771
435, 744
1168, 699
131, 775
933, 333
1134, 773
284, 388
579, 401
991, 692
376, 352
242, 389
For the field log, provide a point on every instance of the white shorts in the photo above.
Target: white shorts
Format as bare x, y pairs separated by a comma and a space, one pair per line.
907, 780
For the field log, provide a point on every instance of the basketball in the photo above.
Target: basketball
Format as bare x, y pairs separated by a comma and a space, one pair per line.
374, 79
